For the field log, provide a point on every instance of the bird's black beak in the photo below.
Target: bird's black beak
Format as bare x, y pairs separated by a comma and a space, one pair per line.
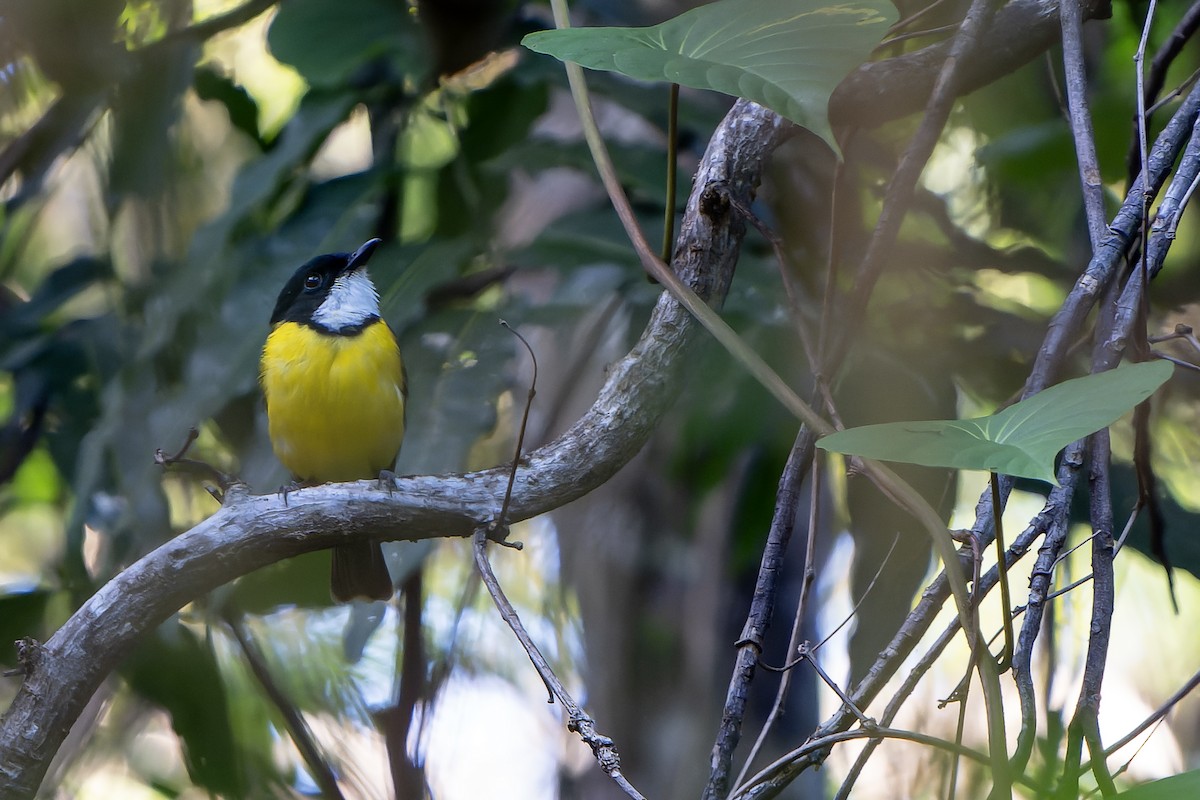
361, 256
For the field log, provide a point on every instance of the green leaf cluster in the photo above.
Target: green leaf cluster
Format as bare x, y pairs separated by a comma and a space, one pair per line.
1023, 439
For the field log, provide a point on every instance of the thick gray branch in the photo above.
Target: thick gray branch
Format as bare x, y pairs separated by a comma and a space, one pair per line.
250, 532
881, 91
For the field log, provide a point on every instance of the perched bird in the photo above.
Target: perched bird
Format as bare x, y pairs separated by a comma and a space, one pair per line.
336, 388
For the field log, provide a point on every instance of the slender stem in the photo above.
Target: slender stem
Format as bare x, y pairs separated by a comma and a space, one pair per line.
502, 520
1184, 30
578, 720
810, 573
668, 241
821, 744
1005, 594
301, 735
962, 692
1154, 717
887, 558
1057, 526
960, 725
807, 654
887, 480
750, 642
1071, 16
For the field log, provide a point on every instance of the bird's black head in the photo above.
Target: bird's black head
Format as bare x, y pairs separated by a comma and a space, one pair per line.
331, 291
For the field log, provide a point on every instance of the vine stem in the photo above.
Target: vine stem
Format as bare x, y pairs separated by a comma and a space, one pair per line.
578, 720
884, 478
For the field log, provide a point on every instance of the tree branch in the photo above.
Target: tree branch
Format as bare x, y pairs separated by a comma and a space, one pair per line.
250, 532
1067, 322
881, 91
762, 608
578, 721
1081, 119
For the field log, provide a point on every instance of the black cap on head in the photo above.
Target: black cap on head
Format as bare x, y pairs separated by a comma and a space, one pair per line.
309, 285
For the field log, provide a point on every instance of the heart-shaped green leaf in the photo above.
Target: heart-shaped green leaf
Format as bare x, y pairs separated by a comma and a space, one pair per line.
1023, 439
787, 55
1172, 788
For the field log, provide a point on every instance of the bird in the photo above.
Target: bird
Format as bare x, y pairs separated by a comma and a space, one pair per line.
336, 394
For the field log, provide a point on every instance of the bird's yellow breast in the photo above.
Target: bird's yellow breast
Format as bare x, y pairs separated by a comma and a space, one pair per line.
335, 404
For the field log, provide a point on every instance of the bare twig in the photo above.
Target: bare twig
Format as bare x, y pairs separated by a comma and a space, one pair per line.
866, 592
668, 240
201, 468
806, 653
578, 720
298, 730
1055, 517
1169, 98
916, 15
1085, 723
904, 37
749, 644
1152, 81
1071, 16
903, 183
1154, 716
761, 785
794, 641
501, 519
250, 532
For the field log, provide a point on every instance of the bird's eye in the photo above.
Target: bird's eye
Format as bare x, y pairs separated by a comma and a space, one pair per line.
312, 281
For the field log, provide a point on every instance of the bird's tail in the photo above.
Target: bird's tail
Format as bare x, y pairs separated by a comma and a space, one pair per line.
360, 573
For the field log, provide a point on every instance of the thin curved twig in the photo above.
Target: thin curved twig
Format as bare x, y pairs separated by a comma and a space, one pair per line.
902, 186
578, 720
297, 728
758, 786
1057, 527
1154, 716
251, 532
1155, 78
890, 484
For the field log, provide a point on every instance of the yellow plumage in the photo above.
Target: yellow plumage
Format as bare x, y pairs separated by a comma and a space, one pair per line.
335, 403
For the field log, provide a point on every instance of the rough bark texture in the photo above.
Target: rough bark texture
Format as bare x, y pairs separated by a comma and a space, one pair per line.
250, 532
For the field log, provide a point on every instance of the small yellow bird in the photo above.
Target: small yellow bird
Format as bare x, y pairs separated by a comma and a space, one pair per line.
336, 392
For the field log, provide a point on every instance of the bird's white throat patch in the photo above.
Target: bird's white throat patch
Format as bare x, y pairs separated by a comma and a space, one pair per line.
352, 300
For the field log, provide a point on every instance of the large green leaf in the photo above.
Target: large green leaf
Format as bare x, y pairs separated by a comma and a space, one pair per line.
330, 41
787, 55
1172, 788
1021, 440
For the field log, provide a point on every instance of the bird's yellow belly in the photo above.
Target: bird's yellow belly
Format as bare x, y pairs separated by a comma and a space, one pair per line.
335, 404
